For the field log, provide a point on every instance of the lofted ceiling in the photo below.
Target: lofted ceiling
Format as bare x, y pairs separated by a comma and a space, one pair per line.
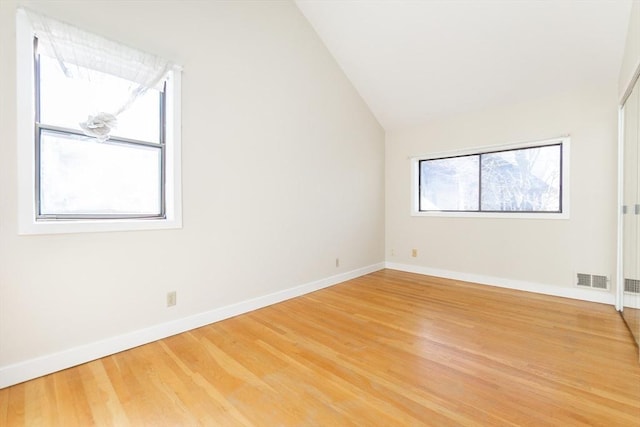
415, 60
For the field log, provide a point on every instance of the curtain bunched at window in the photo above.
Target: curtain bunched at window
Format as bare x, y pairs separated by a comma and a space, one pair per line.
79, 52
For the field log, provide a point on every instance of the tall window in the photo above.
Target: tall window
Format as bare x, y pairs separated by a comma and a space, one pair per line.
527, 179
104, 147
80, 176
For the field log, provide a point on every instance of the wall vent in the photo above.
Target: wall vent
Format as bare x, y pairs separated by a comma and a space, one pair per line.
584, 280
593, 281
599, 282
632, 285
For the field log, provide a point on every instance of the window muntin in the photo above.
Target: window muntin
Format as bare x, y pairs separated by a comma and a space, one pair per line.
515, 180
78, 177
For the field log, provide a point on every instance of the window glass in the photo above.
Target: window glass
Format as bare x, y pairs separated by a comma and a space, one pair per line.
80, 176
526, 180
67, 101
449, 184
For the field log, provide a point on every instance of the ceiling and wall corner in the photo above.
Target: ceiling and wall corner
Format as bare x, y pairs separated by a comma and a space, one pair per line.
631, 59
454, 75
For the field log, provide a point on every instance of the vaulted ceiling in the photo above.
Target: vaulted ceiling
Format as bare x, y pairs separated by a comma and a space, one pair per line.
415, 60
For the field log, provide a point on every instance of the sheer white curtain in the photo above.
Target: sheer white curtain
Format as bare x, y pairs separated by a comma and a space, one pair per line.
84, 55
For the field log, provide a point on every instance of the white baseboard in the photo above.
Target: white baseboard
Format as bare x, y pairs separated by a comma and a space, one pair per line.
631, 300
37, 367
603, 297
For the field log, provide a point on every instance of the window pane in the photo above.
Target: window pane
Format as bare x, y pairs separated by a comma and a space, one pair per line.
525, 180
65, 101
82, 176
449, 184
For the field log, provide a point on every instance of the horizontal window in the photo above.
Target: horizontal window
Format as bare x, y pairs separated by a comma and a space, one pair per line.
526, 179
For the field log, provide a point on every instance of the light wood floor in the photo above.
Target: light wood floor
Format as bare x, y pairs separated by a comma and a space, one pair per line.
632, 316
387, 349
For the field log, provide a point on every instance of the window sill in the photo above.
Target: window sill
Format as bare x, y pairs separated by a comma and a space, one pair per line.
96, 226
500, 215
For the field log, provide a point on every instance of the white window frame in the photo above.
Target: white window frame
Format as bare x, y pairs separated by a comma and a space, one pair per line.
415, 181
25, 91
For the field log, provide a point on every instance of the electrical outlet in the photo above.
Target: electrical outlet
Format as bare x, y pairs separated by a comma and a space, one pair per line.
337, 262
392, 252
171, 299
414, 253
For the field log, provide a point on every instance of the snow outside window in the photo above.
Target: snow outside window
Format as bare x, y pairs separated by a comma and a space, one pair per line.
526, 179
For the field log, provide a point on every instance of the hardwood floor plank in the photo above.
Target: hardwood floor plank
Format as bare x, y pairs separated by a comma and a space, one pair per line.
102, 398
12, 402
367, 362
389, 348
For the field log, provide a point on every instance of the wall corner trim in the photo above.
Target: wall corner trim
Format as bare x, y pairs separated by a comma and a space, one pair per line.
539, 288
37, 367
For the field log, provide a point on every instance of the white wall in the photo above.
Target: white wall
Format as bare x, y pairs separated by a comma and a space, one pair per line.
631, 59
539, 255
630, 65
283, 171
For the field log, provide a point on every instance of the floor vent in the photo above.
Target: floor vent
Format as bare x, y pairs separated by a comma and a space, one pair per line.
632, 285
593, 281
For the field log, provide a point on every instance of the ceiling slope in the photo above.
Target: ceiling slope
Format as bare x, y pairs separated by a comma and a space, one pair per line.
416, 60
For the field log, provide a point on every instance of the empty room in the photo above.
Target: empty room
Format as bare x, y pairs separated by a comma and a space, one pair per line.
319, 213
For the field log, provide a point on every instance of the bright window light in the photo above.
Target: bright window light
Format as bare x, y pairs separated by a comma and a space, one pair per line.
520, 179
